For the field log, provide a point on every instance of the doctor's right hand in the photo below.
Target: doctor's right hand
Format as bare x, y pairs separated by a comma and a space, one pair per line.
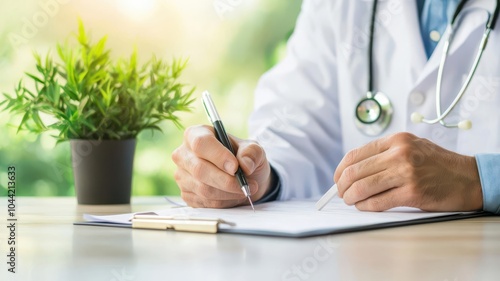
205, 169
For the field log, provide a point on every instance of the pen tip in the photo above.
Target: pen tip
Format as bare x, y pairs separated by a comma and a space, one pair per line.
251, 204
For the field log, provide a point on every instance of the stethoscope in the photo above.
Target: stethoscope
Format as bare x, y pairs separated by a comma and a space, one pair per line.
374, 111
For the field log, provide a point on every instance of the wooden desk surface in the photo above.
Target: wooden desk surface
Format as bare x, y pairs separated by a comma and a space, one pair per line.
50, 247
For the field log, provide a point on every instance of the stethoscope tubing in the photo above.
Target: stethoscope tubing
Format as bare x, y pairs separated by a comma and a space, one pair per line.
447, 45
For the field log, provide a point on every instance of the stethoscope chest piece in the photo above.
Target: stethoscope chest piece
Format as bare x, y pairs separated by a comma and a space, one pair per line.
373, 114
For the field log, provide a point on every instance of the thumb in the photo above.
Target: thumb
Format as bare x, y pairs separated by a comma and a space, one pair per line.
250, 155
247, 164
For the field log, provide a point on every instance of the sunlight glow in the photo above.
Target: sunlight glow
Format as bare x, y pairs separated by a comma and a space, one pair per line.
136, 9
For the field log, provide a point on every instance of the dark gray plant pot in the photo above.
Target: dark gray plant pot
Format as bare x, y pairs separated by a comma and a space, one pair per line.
103, 170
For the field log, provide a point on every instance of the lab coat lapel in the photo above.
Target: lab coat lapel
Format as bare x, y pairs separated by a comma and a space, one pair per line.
473, 20
404, 29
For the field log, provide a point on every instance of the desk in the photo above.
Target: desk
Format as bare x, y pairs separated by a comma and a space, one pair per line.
51, 248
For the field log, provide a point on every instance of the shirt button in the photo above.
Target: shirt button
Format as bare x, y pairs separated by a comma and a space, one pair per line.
435, 36
417, 98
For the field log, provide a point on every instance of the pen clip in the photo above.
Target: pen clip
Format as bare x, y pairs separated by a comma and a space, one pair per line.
179, 223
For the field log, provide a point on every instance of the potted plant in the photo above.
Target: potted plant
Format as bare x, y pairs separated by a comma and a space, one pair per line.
100, 105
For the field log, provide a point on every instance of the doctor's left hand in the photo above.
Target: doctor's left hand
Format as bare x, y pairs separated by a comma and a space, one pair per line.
404, 170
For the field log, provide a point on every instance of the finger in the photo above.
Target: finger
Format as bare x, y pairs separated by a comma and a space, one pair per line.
370, 186
202, 170
251, 156
207, 173
206, 192
196, 202
202, 141
359, 171
386, 161
384, 201
356, 155
252, 185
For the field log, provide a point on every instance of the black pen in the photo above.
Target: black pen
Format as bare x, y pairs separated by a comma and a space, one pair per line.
221, 135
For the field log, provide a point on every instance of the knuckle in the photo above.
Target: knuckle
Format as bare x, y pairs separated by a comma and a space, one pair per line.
196, 136
193, 130
377, 180
409, 148
358, 189
253, 150
188, 132
374, 204
409, 154
253, 147
416, 158
350, 157
176, 155
401, 137
197, 143
198, 169
349, 174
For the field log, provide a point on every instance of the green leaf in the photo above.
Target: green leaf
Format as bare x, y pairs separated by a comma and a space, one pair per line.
82, 35
23, 121
82, 104
34, 77
56, 93
36, 118
89, 125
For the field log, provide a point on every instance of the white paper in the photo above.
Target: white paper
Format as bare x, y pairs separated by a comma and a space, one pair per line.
289, 218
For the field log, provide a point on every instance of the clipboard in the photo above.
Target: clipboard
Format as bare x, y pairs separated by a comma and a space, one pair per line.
294, 219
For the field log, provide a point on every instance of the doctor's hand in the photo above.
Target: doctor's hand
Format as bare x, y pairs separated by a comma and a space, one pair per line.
205, 169
404, 170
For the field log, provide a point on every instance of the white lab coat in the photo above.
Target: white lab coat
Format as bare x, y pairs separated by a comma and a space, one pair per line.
304, 107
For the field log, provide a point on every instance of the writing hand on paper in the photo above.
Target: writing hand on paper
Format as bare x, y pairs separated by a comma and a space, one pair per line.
205, 169
404, 170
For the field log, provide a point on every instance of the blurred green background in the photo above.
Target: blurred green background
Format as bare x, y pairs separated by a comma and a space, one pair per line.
229, 43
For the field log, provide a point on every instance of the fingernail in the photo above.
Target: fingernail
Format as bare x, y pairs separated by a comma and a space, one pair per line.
248, 163
229, 167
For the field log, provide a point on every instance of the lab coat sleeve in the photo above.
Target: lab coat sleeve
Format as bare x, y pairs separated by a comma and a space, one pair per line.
489, 168
296, 116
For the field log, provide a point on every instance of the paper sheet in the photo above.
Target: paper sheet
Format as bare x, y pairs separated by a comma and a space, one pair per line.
292, 218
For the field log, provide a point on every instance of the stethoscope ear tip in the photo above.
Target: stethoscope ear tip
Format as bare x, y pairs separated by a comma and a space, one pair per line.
417, 117
465, 125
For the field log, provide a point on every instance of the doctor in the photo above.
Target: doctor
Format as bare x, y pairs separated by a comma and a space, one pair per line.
363, 99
